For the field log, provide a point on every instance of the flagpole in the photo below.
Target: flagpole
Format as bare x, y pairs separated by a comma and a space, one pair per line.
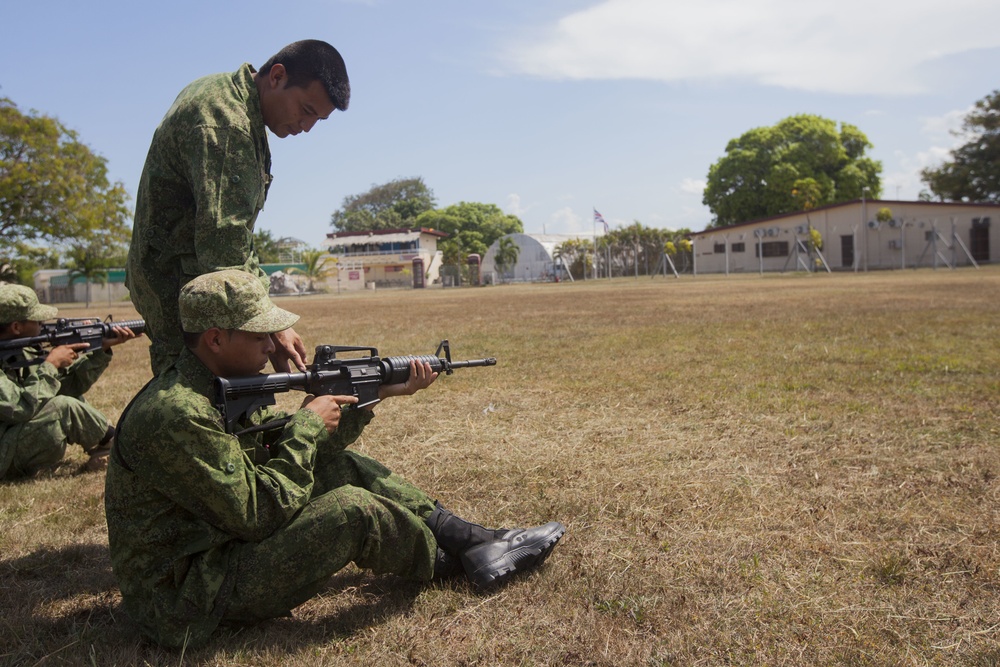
594, 221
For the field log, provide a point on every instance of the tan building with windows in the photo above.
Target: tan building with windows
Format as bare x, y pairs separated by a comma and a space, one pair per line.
384, 258
855, 237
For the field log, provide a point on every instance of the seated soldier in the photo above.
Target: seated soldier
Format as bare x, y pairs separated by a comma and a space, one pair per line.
42, 408
207, 527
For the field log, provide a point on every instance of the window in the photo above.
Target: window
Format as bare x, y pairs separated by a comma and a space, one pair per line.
773, 249
719, 248
739, 247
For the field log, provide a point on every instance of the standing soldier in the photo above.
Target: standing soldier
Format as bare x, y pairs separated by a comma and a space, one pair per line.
206, 178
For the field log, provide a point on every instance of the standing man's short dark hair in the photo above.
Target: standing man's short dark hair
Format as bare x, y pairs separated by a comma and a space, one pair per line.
314, 60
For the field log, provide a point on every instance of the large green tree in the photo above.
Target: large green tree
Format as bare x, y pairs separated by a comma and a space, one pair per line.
973, 173
53, 188
763, 171
391, 205
472, 227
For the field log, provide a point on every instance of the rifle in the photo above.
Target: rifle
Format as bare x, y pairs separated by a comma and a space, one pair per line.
63, 331
237, 398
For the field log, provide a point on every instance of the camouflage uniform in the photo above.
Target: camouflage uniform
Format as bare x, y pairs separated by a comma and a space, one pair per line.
42, 409
206, 527
204, 182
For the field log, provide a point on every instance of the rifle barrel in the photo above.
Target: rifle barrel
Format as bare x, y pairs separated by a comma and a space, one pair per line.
472, 363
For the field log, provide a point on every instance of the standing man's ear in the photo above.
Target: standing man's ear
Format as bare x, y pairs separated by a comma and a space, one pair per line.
276, 76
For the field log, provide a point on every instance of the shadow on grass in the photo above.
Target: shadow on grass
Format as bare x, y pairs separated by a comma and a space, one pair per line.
62, 606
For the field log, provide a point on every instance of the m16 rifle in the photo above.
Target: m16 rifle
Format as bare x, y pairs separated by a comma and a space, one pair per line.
64, 331
237, 398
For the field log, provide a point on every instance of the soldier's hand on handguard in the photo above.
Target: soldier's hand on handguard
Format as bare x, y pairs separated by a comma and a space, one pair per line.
328, 408
121, 335
421, 377
288, 346
62, 356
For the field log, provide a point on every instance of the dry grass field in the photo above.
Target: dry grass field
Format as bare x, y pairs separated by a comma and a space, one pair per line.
787, 470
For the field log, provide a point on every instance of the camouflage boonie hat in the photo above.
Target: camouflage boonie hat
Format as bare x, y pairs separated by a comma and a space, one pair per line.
19, 303
230, 300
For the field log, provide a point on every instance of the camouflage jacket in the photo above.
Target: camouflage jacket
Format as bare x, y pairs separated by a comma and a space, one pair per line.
181, 495
23, 391
204, 182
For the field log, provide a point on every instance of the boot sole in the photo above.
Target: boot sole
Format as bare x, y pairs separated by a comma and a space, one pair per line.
523, 558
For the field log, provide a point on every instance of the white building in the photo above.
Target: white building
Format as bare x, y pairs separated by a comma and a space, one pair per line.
385, 258
917, 233
535, 262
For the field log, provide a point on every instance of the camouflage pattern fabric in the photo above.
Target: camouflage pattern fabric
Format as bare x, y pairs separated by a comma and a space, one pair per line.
42, 409
203, 184
230, 300
19, 303
206, 527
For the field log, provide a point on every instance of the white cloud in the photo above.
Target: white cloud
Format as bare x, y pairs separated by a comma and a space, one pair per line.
693, 186
943, 133
945, 128
514, 205
852, 46
565, 221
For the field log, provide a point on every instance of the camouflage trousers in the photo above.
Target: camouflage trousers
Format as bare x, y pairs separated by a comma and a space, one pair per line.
41, 442
360, 512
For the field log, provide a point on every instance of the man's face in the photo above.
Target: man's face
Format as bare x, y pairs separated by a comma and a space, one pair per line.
242, 353
292, 109
22, 329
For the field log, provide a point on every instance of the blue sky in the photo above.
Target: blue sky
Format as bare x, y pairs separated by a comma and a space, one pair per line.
547, 109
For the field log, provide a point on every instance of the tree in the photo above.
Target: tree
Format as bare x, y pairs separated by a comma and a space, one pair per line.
973, 174
316, 262
53, 188
90, 262
758, 175
475, 226
391, 205
268, 250
506, 255
577, 255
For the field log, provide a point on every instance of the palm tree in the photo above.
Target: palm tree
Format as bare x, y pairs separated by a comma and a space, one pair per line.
90, 263
316, 266
506, 255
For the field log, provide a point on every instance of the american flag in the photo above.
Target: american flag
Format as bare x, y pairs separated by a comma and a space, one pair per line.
600, 218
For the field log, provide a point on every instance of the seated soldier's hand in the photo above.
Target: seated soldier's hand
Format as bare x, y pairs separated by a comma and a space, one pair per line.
64, 355
328, 408
421, 377
121, 334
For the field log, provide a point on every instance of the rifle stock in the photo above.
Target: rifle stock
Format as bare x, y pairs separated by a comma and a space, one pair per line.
237, 398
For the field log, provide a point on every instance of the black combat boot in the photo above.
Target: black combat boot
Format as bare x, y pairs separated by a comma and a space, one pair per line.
519, 550
491, 556
455, 535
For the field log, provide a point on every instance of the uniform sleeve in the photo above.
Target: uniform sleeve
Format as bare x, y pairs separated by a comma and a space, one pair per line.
228, 186
208, 472
84, 372
20, 402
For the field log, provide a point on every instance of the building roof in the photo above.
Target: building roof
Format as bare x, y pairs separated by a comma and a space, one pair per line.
826, 207
379, 236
